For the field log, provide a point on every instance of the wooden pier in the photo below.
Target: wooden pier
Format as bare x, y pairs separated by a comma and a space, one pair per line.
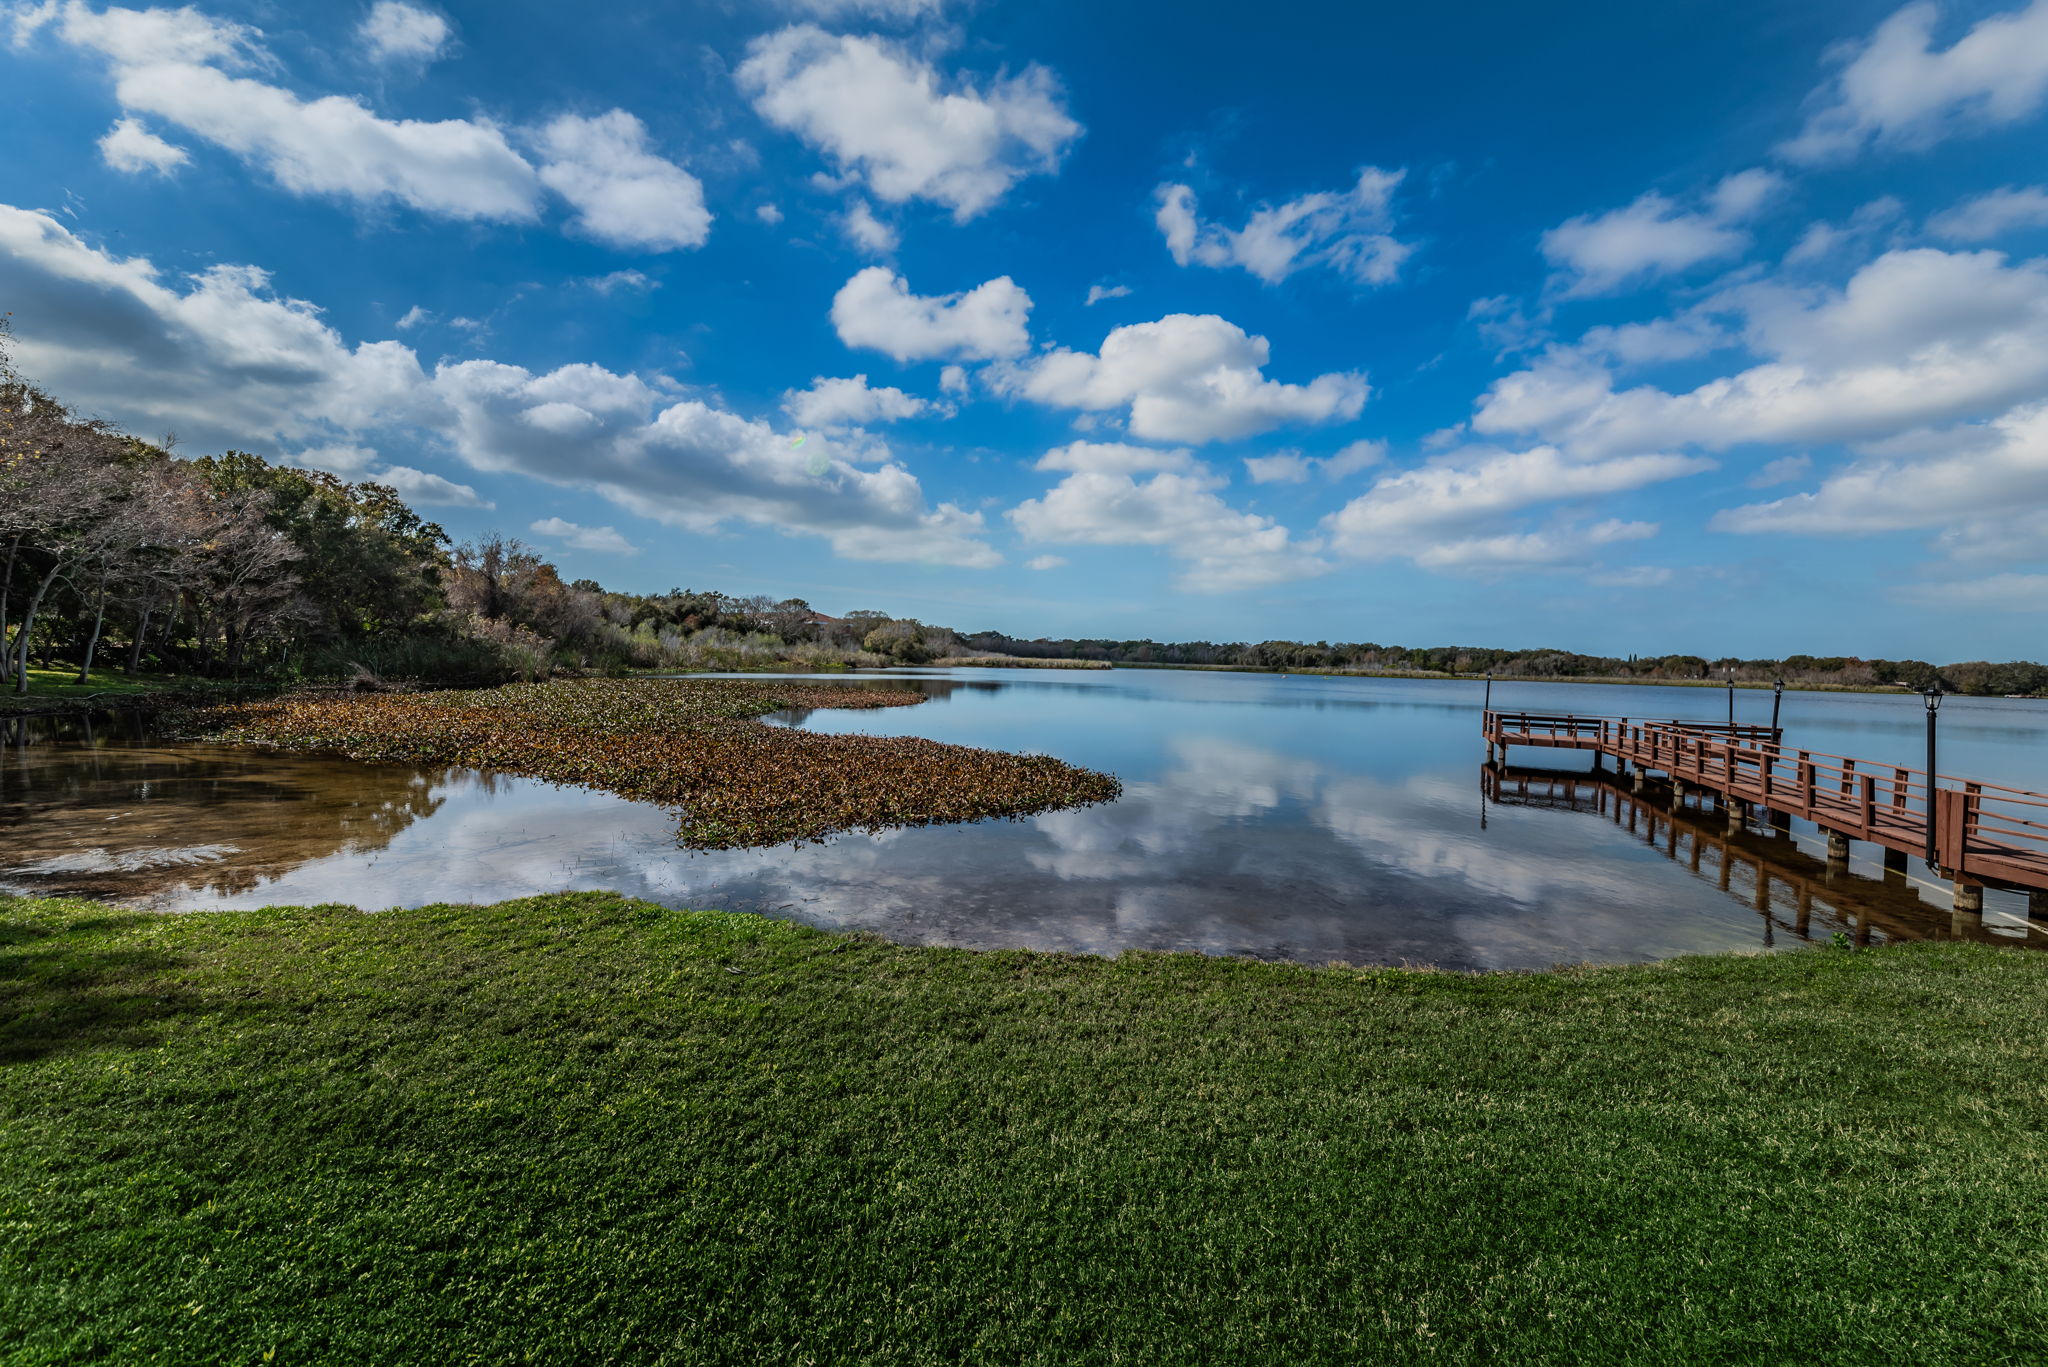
1985, 834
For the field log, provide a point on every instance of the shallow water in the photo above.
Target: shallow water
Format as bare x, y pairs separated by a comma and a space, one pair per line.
1303, 818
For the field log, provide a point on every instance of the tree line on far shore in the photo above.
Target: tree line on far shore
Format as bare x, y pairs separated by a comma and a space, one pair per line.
1980, 677
114, 552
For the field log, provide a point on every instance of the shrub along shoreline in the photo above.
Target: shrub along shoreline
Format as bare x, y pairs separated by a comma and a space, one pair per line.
692, 744
583, 1128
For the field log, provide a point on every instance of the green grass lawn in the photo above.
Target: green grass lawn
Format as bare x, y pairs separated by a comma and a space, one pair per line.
53, 689
63, 682
581, 1129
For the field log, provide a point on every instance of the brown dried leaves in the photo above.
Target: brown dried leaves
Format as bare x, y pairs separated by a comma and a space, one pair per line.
689, 743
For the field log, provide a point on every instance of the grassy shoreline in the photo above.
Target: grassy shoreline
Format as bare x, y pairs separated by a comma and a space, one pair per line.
582, 1128
57, 693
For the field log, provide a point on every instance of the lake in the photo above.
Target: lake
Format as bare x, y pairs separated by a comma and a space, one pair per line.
1306, 818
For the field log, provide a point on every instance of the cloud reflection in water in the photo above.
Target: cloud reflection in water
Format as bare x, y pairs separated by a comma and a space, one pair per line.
1348, 830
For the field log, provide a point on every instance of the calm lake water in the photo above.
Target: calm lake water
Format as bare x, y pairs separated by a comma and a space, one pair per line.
1305, 818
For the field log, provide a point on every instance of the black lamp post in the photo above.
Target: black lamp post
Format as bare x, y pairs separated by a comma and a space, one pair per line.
1731, 699
1932, 697
1777, 700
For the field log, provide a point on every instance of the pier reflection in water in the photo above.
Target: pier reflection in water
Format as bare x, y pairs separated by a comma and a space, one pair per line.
1792, 891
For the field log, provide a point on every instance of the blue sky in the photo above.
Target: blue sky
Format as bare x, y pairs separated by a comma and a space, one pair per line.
1719, 327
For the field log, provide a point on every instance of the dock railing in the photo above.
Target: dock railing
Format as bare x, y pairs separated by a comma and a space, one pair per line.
1985, 832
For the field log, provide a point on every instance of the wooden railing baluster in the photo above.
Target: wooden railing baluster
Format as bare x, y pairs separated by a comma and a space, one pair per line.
1988, 832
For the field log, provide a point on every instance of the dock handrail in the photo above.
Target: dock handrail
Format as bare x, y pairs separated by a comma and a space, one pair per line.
1985, 831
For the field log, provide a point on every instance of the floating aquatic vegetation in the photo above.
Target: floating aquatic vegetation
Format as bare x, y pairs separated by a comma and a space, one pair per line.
693, 744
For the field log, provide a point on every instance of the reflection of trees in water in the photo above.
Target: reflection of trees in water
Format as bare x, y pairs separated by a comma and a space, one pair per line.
1791, 890
94, 815
934, 690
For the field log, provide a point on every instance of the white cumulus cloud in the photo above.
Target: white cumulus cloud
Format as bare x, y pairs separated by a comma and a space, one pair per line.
1282, 467
873, 9
1359, 455
876, 310
217, 356
397, 32
1898, 88
605, 540
624, 193
692, 465
192, 72
1452, 512
128, 146
1528, 550
1185, 378
866, 231
852, 402
1980, 483
888, 118
1115, 458
429, 489
1292, 467
1993, 215
1349, 231
1220, 548
1916, 337
1655, 236
221, 359
175, 66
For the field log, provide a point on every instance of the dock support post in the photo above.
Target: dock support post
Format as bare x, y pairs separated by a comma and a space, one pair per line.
1636, 781
1838, 851
2037, 904
1894, 861
1969, 896
1780, 820
1678, 791
1738, 815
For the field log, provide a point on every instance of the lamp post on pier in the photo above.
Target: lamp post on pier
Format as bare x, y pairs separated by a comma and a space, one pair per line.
1731, 700
1777, 699
1932, 697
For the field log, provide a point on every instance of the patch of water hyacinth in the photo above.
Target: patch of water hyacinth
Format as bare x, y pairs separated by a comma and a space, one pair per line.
692, 744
